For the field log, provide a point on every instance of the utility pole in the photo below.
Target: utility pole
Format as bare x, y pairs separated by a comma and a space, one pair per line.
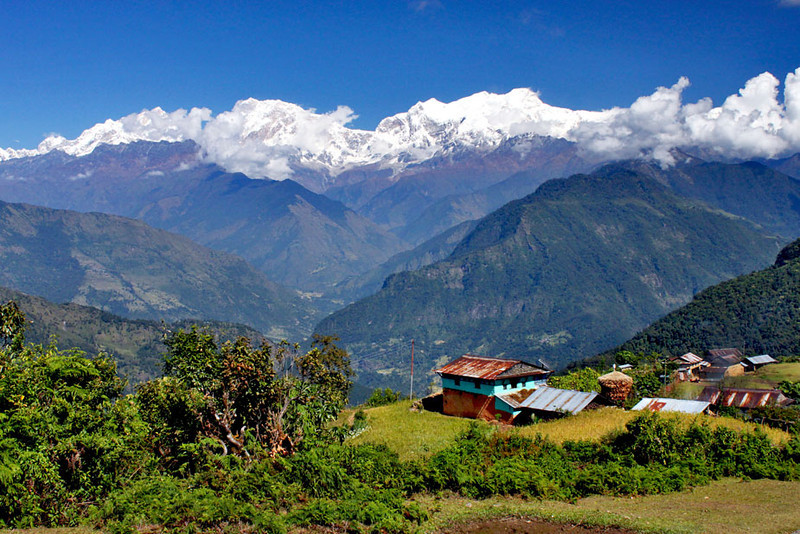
411, 395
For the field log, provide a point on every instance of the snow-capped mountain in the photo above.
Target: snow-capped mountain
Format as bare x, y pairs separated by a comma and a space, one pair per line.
276, 139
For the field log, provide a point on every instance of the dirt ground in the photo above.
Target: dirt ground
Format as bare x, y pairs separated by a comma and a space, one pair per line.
515, 525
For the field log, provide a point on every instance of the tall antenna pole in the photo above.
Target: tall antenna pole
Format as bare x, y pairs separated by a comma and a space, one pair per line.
411, 395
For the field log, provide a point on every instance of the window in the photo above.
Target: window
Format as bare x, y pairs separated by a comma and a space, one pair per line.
457, 381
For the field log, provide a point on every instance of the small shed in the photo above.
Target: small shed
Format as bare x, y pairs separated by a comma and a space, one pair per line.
548, 402
754, 362
672, 405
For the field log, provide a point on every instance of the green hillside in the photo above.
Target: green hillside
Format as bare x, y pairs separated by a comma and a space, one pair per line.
136, 345
576, 267
128, 268
759, 312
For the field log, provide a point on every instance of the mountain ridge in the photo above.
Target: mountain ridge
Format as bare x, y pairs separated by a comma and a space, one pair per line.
758, 312
126, 267
573, 266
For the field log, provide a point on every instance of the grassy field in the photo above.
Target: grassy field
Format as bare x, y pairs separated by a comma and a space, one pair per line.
730, 505
768, 377
419, 434
410, 434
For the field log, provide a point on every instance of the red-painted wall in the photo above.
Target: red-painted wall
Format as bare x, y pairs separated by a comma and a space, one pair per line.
472, 405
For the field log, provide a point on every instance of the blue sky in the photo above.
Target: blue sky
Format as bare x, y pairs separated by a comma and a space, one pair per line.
68, 65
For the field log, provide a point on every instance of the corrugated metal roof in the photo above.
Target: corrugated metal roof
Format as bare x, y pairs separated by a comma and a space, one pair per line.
510, 400
690, 358
472, 366
761, 360
671, 405
549, 399
743, 398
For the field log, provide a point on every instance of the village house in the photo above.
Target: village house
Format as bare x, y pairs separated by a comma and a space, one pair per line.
723, 363
689, 366
472, 386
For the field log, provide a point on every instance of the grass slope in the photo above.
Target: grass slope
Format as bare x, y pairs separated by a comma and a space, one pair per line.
419, 434
730, 504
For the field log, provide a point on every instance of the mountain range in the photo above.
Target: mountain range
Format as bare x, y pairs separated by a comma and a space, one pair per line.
420, 223
574, 268
296, 237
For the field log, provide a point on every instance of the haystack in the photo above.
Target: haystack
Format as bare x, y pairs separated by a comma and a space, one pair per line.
615, 386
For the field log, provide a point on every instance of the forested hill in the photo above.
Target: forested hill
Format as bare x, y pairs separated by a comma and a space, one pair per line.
577, 266
758, 312
131, 269
136, 345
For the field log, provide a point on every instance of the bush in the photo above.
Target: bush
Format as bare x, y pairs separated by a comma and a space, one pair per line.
382, 397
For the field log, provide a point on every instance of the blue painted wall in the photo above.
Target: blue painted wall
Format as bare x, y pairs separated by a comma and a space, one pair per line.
491, 388
500, 405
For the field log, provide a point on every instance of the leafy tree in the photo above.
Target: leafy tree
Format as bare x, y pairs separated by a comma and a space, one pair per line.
383, 396
627, 357
244, 398
66, 435
12, 326
329, 367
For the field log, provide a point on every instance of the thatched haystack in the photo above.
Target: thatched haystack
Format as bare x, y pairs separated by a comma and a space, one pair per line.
615, 386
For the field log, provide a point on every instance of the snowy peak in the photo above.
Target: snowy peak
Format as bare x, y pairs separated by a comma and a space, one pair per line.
149, 125
275, 139
481, 120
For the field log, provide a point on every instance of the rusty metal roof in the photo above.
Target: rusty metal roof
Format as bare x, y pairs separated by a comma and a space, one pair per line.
547, 399
671, 405
471, 366
721, 353
744, 398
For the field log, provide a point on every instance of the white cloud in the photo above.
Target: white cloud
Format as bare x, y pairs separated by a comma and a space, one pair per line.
752, 123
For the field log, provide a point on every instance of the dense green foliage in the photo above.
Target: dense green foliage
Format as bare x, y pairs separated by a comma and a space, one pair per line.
584, 379
66, 437
758, 311
382, 397
238, 438
574, 268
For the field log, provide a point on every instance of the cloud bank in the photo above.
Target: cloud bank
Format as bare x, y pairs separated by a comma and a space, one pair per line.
275, 139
